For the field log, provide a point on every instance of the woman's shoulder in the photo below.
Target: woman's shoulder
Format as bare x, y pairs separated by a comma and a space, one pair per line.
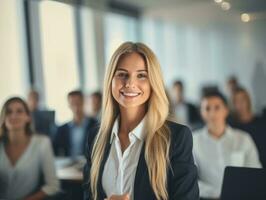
180, 134
181, 143
240, 135
177, 129
41, 141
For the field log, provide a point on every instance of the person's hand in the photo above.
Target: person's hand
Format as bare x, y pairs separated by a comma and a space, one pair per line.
118, 197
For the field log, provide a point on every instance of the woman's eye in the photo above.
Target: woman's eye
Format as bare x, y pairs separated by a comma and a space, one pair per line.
217, 108
121, 75
207, 108
8, 112
20, 111
142, 76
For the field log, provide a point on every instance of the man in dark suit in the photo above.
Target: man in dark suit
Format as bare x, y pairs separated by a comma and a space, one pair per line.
185, 112
43, 120
71, 137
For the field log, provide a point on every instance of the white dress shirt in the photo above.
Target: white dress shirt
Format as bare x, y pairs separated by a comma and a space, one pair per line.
20, 180
181, 113
120, 169
77, 135
234, 148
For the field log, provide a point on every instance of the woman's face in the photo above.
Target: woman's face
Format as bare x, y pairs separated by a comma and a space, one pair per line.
130, 84
214, 111
16, 117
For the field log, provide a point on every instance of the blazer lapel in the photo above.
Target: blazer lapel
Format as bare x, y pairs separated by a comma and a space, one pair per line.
101, 193
142, 186
139, 173
67, 143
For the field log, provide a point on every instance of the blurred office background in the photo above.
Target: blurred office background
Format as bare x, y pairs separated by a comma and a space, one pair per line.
57, 46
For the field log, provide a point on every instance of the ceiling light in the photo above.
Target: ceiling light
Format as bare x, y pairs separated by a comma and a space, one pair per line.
218, 1
226, 5
245, 17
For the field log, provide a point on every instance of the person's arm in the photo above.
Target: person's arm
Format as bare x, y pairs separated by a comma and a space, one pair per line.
252, 156
206, 188
87, 195
40, 195
51, 183
183, 173
86, 182
118, 197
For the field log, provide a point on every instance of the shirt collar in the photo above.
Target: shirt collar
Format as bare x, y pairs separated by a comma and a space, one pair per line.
227, 133
83, 123
138, 131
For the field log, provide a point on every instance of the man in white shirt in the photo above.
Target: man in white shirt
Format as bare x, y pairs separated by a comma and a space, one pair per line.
184, 112
218, 145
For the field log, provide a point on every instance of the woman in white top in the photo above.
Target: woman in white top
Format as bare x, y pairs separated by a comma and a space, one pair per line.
27, 168
218, 145
138, 154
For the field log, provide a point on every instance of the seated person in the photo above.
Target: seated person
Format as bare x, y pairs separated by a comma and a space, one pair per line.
70, 138
232, 84
217, 145
243, 118
94, 105
184, 112
43, 120
26, 159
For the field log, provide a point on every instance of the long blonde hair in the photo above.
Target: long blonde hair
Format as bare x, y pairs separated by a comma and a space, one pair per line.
157, 141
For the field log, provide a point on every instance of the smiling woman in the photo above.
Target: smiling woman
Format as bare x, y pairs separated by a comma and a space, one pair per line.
138, 153
130, 85
24, 157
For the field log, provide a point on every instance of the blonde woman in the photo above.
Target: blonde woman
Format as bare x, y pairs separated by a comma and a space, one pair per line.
137, 153
25, 157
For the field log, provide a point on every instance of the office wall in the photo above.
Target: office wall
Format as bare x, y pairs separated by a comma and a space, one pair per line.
13, 61
208, 49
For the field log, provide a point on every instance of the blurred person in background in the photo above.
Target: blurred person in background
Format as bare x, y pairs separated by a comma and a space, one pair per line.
243, 118
217, 145
70, 138
232, 84
43, 120
184, 112
27, 168
94, 105
33, 100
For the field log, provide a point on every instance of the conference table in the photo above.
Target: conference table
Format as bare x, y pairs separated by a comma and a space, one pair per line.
70, 173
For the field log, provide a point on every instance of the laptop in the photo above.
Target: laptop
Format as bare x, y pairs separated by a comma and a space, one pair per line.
241, 183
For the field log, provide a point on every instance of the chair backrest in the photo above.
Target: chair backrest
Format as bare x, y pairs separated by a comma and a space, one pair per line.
44, 122
242, 183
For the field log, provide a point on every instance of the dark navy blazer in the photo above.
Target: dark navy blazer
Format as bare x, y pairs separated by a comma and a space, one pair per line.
182, 177
62, 143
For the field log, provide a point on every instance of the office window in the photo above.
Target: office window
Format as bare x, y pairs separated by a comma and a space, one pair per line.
13, 71
89, 49
118, 29
59, 56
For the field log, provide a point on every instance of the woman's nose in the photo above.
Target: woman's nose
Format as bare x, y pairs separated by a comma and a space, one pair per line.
129, 82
